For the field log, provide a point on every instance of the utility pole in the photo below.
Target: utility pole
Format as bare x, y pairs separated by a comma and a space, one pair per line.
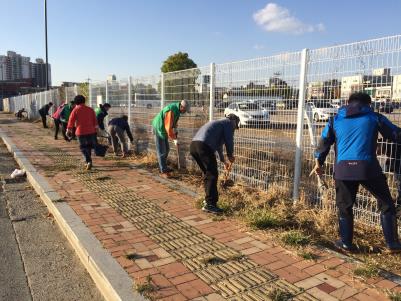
47, 58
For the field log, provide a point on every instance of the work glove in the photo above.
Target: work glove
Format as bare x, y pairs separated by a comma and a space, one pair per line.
175, 141
227, 165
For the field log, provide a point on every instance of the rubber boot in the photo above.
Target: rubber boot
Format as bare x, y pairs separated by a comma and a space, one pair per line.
346, 229
390, 231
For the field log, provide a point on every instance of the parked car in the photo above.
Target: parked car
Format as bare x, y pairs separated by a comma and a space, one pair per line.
270, 105
383, 106
249, 113
221, 105
321, 110
147, 103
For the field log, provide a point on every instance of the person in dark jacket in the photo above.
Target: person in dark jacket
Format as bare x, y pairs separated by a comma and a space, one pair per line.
210, 139
354, 131
101, 113
21, 114
117, 127
44, 111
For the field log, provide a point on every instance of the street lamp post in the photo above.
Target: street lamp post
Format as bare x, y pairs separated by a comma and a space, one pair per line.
47, 62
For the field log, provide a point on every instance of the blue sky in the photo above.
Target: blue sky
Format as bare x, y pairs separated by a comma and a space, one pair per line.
132, 37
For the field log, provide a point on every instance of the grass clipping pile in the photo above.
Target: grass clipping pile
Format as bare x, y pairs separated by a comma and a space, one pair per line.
299, 226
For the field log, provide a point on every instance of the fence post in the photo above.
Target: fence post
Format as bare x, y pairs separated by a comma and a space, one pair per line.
107, 92
129, 104
211, 92
300, 123
75, 90
90, 94
162, 97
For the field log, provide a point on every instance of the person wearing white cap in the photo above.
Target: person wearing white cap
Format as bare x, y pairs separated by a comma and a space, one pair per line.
164, 127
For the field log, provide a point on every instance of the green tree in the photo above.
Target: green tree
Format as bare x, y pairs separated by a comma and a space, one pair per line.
178, 61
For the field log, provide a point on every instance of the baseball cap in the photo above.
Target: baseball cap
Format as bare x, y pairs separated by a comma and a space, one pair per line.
185, 105
235, 118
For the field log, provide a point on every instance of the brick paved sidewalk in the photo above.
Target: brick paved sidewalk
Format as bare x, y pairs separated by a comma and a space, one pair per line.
152, 229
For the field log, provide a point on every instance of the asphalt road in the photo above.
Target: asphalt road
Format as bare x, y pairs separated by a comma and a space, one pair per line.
36, 261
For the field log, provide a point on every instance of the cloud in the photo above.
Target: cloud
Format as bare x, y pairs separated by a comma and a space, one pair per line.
274, 18
258, 47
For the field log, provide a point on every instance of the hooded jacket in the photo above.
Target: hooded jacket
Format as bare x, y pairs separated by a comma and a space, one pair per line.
354, 131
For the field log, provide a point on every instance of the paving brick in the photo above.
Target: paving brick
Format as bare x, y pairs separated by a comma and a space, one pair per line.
386, 284
330, 280
327, 288
160, 281
214, 297
183, 278
315, 269
344, 292
320, 295
309, 283
176, 297
194, 288
173, 270
163, 261
250, 251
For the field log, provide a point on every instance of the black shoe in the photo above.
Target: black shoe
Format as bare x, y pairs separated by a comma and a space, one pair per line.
212, 209
55, 138
168, 169
342, 247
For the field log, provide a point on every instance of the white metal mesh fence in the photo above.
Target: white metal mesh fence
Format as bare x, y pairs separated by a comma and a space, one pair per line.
264, 93
31, 103
145, 104
193, 86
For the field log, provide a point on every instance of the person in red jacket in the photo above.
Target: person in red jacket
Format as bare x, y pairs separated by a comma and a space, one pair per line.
84, 120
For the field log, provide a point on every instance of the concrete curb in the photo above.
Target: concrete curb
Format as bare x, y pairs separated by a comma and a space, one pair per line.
110, 278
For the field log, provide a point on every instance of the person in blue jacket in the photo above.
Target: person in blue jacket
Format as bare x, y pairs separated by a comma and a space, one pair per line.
210, 139
354, 131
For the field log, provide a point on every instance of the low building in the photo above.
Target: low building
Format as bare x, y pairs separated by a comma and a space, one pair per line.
396, 88
315, 90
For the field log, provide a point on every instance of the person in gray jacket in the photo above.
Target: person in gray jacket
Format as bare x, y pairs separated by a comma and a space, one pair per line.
117, 127
210, 139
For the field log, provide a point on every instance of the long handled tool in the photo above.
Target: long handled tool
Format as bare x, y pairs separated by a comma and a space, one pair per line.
177, 147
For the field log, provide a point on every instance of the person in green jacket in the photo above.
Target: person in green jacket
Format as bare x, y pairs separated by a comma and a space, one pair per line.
164, 127
64, 116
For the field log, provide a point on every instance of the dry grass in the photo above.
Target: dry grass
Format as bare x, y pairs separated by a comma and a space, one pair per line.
276, 294
367, 270
394, 296
146, 161
146, 288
